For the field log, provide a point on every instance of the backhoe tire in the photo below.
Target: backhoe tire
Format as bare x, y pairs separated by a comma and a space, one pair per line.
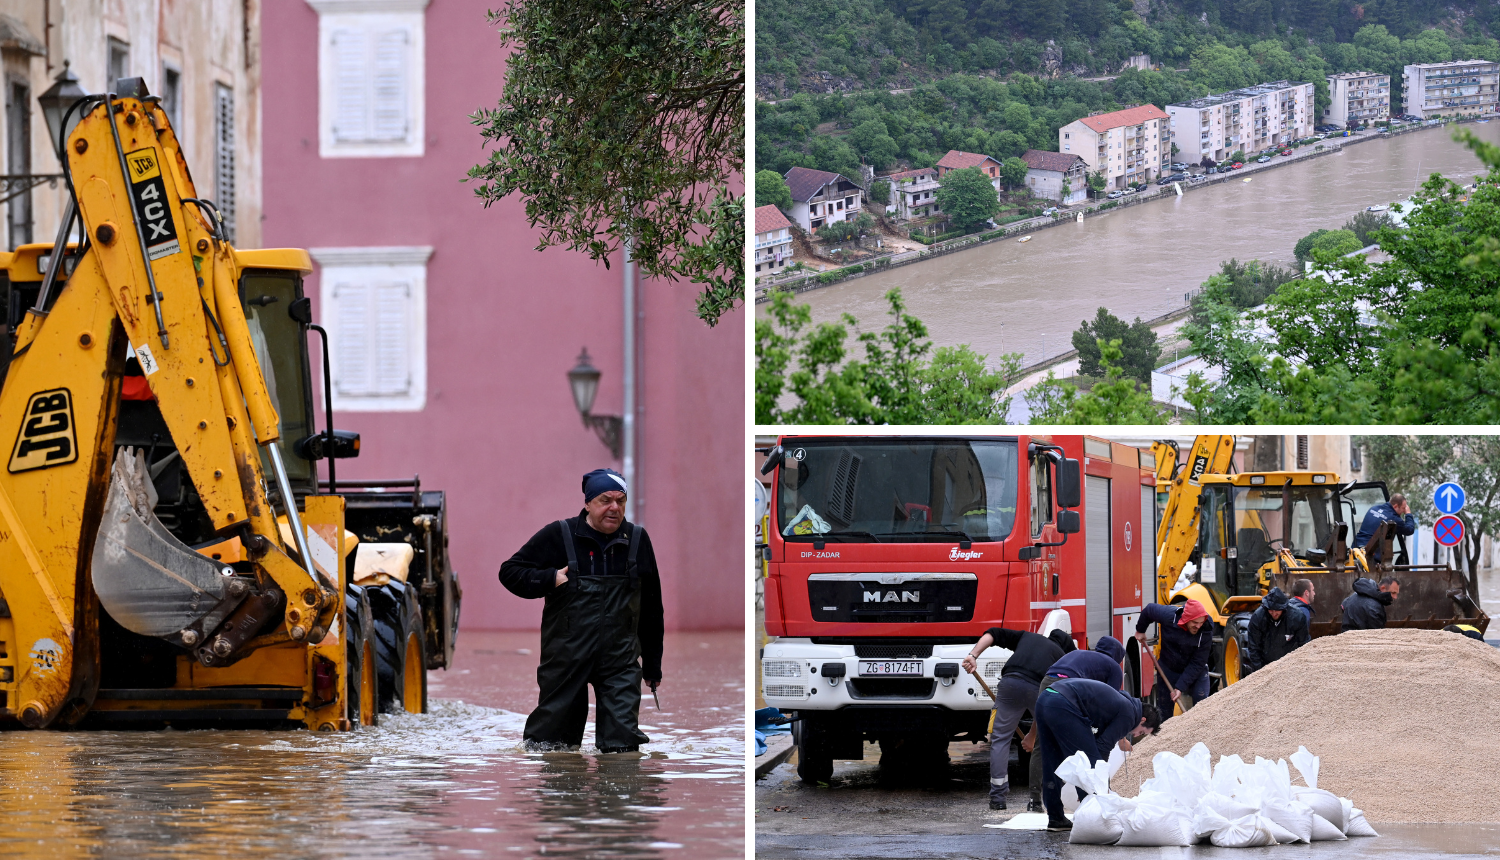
1231, 666
362, 676
400, 649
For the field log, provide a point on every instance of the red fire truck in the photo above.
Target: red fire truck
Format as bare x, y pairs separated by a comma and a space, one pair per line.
887, 558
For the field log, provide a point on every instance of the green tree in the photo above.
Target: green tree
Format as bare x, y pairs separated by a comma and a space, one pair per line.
880, 192
771, 190
1333, 244
626, 122
1013, 172
1366, 225
1097, 182
805, 374
1118, 399
1303, 249
967, 197
1138, 347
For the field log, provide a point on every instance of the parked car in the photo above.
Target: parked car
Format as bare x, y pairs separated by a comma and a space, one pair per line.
1263, 159
1178, 165
1115, 195
1286, 152
1050, 211
1199, 177
1237, 165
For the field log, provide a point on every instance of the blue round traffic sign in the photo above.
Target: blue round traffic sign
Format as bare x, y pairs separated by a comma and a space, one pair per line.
1449, 498
1448, 530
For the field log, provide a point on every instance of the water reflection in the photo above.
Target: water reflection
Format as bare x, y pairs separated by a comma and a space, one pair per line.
454, 781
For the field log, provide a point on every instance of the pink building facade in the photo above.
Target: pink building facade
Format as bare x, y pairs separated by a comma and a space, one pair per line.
452, 336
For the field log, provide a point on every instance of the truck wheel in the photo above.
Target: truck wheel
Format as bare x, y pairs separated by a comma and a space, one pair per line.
1236, 631
814, 762
400, 649
361, 657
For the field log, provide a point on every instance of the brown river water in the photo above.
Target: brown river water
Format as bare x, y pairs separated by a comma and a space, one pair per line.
453, 782
1139, 262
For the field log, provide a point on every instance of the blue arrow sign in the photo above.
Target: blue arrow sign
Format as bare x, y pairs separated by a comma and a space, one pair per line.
1449, 498
1448, 530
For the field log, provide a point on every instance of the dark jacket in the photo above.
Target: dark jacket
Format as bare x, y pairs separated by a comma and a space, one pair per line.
1114, 713
1269, 640
1307, 609
1032, 653
1091, 665
1365, 608
1383, 513
1181, 652
532, 573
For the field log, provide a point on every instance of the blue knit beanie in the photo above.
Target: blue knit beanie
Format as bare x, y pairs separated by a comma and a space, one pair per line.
602, 481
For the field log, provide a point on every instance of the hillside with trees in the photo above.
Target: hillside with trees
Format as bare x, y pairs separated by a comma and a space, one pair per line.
1001, 76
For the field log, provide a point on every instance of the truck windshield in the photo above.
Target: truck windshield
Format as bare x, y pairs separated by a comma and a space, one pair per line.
281, 347
898, 491
1260, 514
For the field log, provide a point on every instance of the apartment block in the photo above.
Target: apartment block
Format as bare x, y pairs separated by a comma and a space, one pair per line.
1448, 89
1358, 97
1126, 146
913, 193
773, 240
1249, 119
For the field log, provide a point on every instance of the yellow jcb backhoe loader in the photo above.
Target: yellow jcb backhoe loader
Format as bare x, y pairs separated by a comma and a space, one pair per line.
166, 556
1244, 533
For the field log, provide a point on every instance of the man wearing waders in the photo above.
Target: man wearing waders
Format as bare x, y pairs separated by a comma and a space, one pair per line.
601, 624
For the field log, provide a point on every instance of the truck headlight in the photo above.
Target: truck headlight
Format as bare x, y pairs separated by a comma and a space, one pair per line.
781, 669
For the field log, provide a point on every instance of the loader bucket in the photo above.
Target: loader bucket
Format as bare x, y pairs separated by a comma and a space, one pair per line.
1432, 597
148, 580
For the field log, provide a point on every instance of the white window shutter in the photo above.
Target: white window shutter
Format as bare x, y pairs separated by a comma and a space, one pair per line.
355, 341
392, 365
351, 85
389, 85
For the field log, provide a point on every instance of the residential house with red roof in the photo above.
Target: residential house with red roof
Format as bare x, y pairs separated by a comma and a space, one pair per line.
956, 160
773, 240
820, 197
1127, 146
914, 193
1050, 173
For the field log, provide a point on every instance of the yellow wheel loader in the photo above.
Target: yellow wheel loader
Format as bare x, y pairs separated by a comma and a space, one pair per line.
1226, 539
167, 555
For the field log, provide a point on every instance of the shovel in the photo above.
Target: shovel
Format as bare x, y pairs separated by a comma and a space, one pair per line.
1184, 701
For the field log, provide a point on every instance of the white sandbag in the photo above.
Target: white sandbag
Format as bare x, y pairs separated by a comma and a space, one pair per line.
1116, 761
1179, 778
1206, 820
1324, 830
1077, 771
1070, 800
1358, 826
1156, 826
1283, 836
1226, 775
1326, 804
1199, 762
1097, 821
1248, 832
1226, 806
1307, 765
1296, 817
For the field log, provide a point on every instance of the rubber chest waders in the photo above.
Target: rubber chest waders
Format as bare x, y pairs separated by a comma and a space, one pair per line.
589, 638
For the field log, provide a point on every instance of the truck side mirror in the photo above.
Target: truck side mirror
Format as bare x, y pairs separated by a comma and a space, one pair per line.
1067, 521
301, 310
1068, 486
773, 459
316, 447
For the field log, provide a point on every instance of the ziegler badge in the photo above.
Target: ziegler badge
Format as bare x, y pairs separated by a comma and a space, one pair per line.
46, 437
150, 195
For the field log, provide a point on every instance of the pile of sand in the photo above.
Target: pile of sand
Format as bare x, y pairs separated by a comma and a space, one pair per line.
1406, 723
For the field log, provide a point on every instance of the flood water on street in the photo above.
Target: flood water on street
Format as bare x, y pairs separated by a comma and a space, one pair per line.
453, 782
1138, 262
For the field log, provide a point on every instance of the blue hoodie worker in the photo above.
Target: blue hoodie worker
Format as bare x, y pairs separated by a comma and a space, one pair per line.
1187, 637
1015, 694
601, 624
1396, 513
1365, 608
1276, 629
1083, 714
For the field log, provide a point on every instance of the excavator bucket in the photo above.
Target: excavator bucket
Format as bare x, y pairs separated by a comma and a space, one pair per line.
148, 580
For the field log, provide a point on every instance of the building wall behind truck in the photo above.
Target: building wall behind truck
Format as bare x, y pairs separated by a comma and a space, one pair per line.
498, 429
210, 43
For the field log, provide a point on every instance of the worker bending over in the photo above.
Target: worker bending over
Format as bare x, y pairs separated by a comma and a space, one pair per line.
1101, 664
602, 620
1032, 655
1083, 714
1186, 640
1396, 513
1275, 631
1365, 608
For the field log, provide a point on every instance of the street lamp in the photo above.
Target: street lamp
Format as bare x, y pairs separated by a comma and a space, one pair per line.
584, 380
63, 94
